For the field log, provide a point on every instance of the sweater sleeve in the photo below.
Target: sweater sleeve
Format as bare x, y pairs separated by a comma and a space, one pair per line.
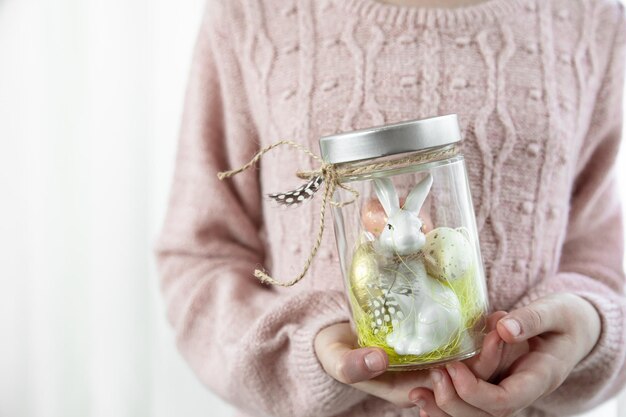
591, 263
249, 343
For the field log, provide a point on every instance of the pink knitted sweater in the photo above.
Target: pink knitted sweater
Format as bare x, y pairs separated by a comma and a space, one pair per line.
538, 87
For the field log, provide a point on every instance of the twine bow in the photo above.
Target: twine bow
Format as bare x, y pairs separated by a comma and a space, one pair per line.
330, 179
330, 175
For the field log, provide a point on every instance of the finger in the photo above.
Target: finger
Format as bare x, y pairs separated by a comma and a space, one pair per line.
493, 318
536, 318
447, 398
349, 365
425, 400
490, 398
486, 364
395, 387
514, 393
533, 376
334, 350
355, 365
510, 355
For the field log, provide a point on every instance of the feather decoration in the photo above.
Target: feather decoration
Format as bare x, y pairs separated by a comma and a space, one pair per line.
385, 312
300, 194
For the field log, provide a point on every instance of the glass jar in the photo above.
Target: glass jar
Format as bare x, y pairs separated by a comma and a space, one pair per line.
407, 239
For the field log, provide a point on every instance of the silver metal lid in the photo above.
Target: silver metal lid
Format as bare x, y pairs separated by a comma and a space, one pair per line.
410, 136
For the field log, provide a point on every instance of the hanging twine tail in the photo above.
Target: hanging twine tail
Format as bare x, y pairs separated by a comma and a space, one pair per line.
329, 189
330, 183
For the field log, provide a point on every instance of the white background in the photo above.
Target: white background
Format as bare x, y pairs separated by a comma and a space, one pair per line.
90, 99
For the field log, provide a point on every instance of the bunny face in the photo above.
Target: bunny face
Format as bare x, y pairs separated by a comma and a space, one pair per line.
402, 234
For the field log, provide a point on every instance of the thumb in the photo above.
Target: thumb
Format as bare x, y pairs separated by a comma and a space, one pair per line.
532, 320
357, 365
340, 360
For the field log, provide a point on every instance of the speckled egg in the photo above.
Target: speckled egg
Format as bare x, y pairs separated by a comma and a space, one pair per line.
448, 254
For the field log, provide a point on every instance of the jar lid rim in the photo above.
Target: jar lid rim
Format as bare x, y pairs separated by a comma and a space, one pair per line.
380, 141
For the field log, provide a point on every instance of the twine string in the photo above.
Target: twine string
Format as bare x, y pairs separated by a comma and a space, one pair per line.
227, 174
331, 175
329, 189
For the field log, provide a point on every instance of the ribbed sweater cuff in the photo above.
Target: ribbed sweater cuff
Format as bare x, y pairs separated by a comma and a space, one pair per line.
609, 346
332, 396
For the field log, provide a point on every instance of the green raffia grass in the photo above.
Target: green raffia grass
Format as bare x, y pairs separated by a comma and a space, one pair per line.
472, 311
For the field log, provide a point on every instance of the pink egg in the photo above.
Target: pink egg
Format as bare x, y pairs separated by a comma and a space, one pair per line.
374, 217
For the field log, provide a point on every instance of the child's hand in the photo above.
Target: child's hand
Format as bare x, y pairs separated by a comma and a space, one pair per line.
561, 330
365, 368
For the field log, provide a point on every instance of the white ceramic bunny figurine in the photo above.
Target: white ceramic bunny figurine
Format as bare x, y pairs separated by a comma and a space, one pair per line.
426, 314
402, 234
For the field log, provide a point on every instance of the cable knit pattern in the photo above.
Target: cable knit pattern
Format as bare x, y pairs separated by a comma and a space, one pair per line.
538, 87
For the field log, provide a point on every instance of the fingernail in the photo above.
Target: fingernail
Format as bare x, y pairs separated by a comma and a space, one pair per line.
374, 362
501, 345
512, 326
436, 376
451, 370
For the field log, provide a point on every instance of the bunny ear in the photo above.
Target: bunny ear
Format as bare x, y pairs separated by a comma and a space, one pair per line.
387, 195
417, 196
